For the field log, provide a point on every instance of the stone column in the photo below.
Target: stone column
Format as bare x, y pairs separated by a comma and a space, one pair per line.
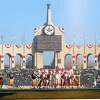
74, 62
38, 60
24, 63
60, 59
55, 59
96, 62
2, 62
35, 62
85, 62
13, 62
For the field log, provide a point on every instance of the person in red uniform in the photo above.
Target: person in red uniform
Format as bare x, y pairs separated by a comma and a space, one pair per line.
48, 80
1, 81
41, 79
63, 79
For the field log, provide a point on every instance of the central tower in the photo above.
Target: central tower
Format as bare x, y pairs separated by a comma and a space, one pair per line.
48, 37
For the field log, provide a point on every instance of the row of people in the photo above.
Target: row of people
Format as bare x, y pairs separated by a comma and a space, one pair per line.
48, 78
54, 78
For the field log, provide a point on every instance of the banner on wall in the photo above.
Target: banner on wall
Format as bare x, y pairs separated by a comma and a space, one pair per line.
29, 46
89, 45
7, 45
69, 46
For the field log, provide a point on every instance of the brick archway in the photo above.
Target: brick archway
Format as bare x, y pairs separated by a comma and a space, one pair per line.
7, 61
90, 60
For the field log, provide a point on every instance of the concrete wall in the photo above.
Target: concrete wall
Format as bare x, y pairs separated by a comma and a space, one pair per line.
13, 50
74, 50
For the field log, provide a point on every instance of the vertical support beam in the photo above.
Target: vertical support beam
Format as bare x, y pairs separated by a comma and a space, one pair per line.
2, 57
2, 62
13, 61
13, 57
23, 62
74, 58
96, 62
55, 59
85, 62
35, 59
59, 59
38, 60
85, 57
74, 62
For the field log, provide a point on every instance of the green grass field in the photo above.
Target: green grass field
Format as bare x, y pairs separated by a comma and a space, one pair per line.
50, 94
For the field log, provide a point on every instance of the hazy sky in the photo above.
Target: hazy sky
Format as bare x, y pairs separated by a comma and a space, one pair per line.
80, 19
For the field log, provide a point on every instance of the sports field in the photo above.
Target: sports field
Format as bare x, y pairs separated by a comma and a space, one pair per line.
50, 94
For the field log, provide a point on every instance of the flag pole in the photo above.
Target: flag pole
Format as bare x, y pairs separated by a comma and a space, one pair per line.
74, 64
74, 44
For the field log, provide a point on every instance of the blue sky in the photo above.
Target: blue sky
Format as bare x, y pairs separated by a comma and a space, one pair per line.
80, 19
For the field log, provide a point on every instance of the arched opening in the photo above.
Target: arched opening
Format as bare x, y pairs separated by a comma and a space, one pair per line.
7, 61
90, 61
68, 61
29, 61
99, 61
79, 61
18, 61
48, 59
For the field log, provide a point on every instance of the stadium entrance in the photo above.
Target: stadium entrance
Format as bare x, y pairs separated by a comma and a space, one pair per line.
48, 38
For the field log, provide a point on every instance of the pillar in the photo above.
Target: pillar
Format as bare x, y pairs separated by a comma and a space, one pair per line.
96, 62
85, 62
13, 61
2, 62
74, 62
23, 63
59, 59
38, 60
56, 59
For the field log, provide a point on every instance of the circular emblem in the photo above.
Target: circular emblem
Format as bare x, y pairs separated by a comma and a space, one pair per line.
69, 46
49, 30
61, 29
7, 45
35, 30
89, 45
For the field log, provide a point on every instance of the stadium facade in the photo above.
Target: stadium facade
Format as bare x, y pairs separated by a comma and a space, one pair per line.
50, 37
